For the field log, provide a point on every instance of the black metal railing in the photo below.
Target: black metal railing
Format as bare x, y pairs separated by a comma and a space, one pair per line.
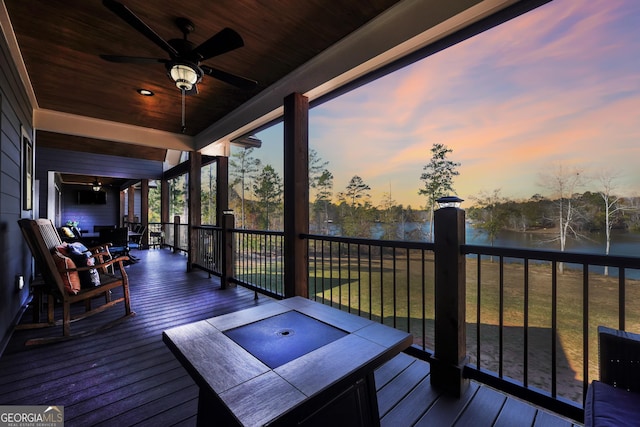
391, 282
209, 256
176, 236
155, 233
259, 262
533, 317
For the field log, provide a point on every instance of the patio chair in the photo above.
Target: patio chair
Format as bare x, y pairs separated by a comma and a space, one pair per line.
135, 238
119, 239
44, 243
615, 398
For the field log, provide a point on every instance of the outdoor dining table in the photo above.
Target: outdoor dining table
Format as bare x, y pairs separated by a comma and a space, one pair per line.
293, 361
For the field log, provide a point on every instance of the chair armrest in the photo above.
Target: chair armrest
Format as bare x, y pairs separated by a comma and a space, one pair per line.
100, 248
101, 265
619, 358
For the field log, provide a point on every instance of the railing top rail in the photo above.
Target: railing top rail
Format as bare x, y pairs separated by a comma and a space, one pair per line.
207, 227
407, 244
263, 232
554, 255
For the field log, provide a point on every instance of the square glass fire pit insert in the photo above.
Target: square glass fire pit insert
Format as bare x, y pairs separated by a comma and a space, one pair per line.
280, 339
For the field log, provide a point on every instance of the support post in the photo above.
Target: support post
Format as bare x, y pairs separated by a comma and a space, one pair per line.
296, 194
222, 188
122, 214
176, 233
131, 205
450, 288
228, 250
195, 207
144, 211
164, 208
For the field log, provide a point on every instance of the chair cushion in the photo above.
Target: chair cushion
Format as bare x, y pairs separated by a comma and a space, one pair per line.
67, 233
610, 406
71, 279
83, 258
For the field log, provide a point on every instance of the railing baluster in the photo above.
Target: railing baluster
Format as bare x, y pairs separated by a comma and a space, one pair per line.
408, 291
585, 330
395, 290
359, 279
370, 283
381, 286
478, 314
525, 329
340, 246
621, 299
331, 273
554, 328
501, 319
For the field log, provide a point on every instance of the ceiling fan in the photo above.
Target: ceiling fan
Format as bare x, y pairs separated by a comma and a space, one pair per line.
184, 63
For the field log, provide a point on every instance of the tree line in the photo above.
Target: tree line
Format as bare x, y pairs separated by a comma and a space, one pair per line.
257, 191
256, 197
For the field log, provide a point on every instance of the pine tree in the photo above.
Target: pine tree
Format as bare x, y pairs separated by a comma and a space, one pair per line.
438, 178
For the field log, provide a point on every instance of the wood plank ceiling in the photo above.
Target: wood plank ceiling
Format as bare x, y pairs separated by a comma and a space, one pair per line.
60, 42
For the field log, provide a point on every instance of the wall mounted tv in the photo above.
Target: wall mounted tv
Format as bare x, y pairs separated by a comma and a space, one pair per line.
89, 197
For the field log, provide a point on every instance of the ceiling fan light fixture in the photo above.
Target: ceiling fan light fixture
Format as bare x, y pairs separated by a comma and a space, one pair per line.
185, 75
96, 186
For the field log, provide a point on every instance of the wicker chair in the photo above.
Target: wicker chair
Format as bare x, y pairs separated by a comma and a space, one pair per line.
615, 399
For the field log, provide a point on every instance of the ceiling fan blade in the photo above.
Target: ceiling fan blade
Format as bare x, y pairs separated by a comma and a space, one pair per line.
232, 79
224, 41
132, 59
130, 18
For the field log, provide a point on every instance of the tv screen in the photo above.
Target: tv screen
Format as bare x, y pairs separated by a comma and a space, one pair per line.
88, 197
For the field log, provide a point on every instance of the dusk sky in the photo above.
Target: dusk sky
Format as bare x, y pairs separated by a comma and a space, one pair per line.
559, 85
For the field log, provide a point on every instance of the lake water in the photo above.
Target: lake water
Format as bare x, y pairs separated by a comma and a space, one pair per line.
622, 243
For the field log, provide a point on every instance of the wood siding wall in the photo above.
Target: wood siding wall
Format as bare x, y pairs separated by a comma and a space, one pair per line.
15, 114
89, 215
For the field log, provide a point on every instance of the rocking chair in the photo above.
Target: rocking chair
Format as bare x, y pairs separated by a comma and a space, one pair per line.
43, 240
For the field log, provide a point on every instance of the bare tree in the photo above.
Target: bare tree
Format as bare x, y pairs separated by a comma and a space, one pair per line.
612, 205
563, 183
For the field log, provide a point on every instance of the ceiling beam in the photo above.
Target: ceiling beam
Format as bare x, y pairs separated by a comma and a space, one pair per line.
71, 124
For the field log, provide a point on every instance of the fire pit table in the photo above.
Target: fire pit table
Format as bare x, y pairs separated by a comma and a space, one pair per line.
294, 361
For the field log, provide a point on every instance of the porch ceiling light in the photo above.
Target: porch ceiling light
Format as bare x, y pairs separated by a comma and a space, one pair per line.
185, 75
96, 186
449, 202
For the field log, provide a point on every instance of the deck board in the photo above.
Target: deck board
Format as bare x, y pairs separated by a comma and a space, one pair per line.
483, 409
127, 376
401, 385
446, 409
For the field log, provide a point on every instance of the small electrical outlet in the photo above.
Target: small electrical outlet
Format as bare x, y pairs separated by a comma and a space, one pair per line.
19, 282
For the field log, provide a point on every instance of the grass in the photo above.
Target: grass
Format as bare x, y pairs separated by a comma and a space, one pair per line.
384, 295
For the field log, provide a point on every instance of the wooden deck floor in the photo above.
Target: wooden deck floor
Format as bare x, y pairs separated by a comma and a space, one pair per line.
126, 376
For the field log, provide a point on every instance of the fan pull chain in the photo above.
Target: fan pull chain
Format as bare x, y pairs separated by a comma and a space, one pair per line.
184, 126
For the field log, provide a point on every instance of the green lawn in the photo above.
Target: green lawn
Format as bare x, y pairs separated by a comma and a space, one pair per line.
384, 294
